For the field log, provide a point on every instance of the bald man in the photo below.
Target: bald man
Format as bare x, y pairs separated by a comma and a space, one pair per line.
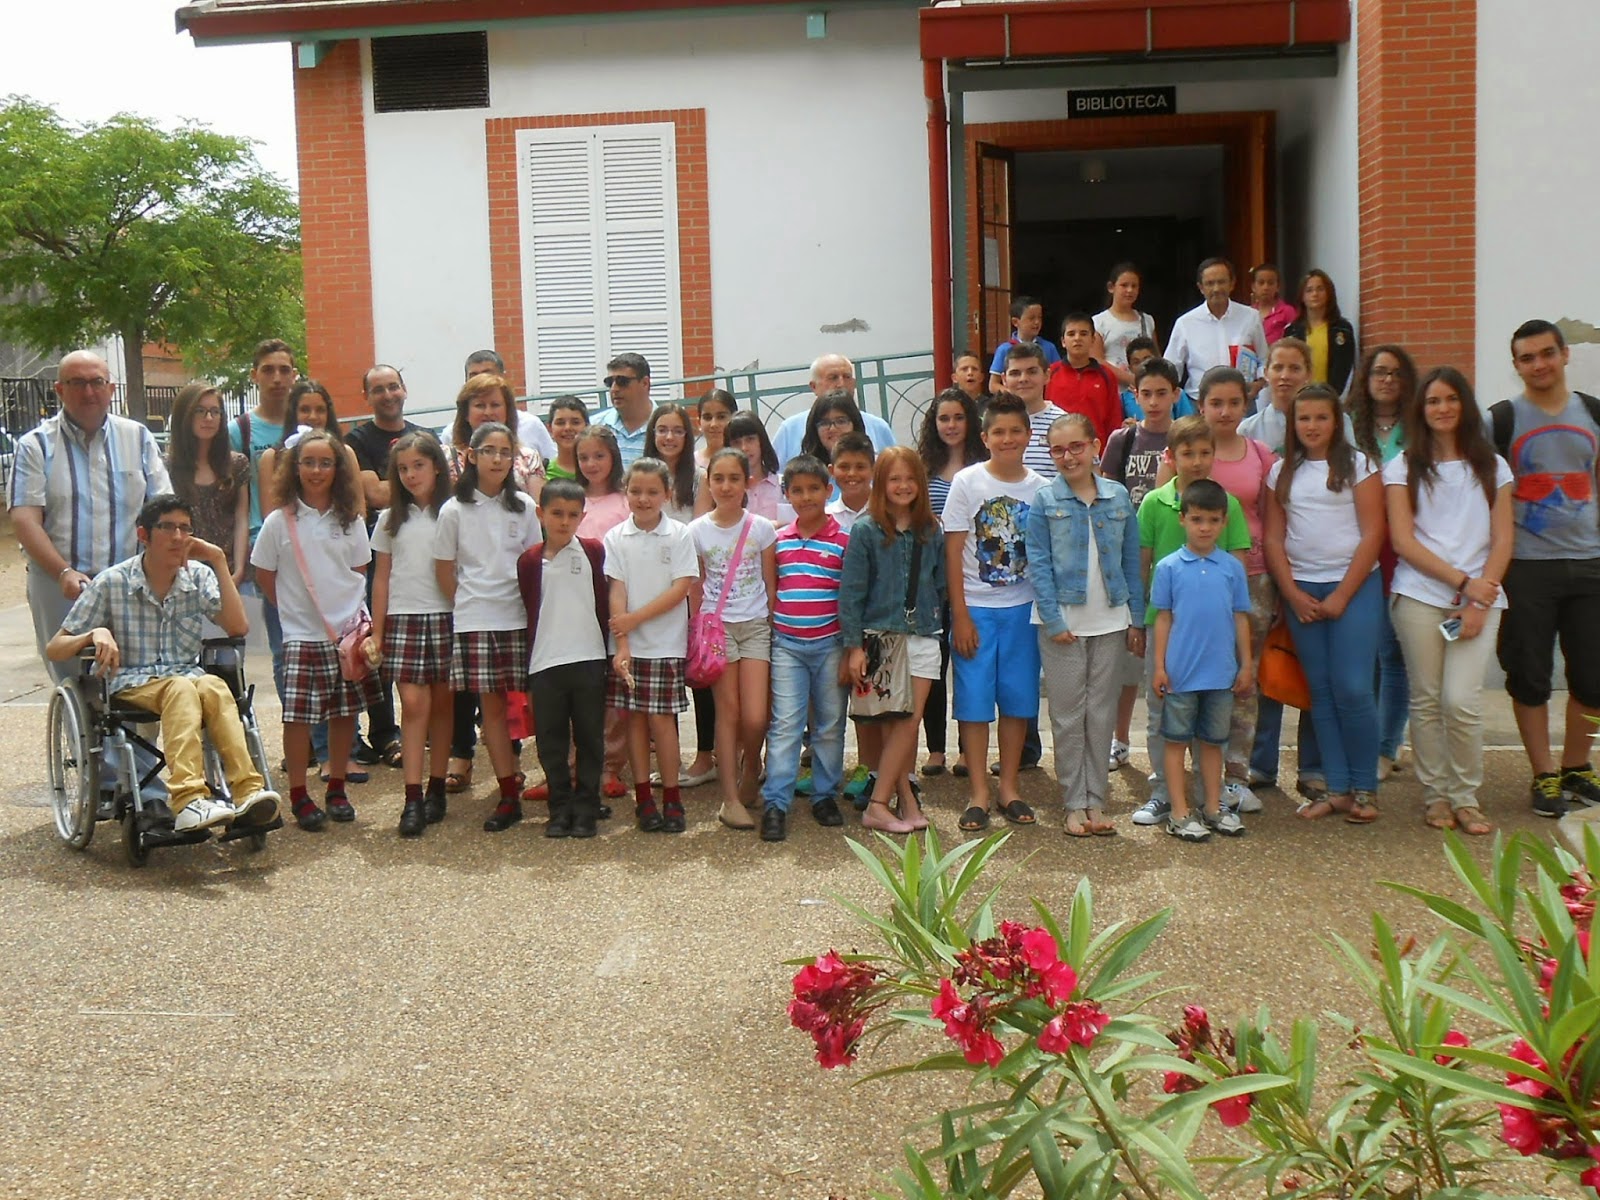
80, 479
831, 372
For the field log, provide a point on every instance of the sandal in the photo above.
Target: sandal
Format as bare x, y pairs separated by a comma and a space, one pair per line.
974, 820
1438, 815
1472, 822
1078, 824
458, 781
1315, 810
1363, 809
1100, 826
391, 753
1018, 813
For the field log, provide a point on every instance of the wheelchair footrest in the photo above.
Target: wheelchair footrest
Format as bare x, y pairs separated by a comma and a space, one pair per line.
235, 832
168, 836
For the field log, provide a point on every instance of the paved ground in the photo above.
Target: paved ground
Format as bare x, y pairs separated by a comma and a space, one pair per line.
476, 1016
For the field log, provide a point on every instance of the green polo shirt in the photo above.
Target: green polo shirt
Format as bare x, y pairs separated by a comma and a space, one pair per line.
1161, 529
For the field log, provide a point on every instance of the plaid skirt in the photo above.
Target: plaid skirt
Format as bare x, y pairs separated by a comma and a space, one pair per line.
313, 689
490, 660
657, 687
417, 648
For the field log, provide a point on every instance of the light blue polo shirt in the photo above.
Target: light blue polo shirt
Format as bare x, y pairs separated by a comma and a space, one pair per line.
1203, 594
631, 445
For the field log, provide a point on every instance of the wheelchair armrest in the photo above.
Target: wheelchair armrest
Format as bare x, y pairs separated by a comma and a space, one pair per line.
209, 643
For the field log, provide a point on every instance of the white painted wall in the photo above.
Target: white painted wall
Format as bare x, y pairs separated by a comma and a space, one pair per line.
817, 170
1538, 178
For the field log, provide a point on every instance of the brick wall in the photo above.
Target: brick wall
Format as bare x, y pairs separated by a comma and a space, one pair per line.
337, 251
1417, 72
694, 230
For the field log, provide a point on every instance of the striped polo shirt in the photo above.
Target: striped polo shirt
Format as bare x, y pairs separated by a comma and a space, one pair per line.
91, 486
809, 570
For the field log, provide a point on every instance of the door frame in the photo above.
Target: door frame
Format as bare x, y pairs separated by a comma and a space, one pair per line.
1249, 142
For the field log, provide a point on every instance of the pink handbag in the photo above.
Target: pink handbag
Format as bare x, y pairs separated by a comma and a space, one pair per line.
708, 642
355, 663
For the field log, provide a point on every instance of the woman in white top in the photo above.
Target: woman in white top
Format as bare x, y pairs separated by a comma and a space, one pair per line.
1121, 322
1449, 499
1325, 527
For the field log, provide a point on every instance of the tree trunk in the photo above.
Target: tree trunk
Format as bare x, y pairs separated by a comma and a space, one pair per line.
137, 405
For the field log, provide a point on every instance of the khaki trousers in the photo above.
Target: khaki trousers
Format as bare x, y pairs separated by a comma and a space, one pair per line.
189, 704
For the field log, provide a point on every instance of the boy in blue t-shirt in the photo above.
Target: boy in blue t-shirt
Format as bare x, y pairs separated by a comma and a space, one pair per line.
1140, 351
1027, 319
1202, 657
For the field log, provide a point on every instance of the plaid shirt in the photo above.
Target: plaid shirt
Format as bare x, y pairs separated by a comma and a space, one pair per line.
156, 638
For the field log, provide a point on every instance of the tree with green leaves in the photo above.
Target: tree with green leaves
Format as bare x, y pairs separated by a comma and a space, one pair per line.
171, 236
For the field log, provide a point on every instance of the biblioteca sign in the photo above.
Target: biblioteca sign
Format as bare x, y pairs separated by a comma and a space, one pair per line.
1122, 102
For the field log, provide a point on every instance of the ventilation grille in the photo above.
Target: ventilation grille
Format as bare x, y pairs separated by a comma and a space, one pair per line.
435, 71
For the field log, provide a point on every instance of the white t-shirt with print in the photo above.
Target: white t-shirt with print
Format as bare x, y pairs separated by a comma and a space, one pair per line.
413, 583
993, 513
333, 552
1453, 521
647, 562
485, 539
1323, 532
747, 601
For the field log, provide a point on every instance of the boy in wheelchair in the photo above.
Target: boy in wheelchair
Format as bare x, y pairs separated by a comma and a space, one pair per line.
144, 619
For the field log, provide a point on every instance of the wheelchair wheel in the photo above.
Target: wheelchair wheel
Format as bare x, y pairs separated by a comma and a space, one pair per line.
133, 840
74, 768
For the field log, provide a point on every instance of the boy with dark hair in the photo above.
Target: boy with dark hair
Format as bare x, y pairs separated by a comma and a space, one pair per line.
565, 590
1140, 351
1027, 319
852, 471
1026, 373
1080, 382
1190, 447
971, 378
1202, 656
145, 618
807, 652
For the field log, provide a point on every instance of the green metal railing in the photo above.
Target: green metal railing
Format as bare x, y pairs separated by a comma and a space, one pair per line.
897, 387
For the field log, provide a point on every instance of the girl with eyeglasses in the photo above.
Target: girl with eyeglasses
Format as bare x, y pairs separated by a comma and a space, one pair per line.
212, 478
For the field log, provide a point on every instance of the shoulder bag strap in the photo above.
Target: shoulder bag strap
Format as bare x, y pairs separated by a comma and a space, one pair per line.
911, 578
305, 574
733, 565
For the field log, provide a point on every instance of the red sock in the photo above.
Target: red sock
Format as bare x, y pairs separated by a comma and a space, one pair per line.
335, 785
298, 795
641, 794
671, 795
413, 793
510, 786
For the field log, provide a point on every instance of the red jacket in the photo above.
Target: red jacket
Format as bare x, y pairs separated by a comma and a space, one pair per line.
530, 582
1092, 391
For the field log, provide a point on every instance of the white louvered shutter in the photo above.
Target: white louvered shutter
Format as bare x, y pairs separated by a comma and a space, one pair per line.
599, 252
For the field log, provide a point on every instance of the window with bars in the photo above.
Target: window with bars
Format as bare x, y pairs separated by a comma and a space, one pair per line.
599, 229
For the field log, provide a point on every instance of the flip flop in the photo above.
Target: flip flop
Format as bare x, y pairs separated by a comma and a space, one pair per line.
1081, 830
1439, 816
1018, 813
974, 820
1102, 827
1361, 813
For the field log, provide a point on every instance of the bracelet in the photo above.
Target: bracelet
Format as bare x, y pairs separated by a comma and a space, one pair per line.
1462, 586
62, 574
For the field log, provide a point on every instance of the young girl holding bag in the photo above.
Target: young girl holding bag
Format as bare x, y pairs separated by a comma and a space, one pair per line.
482, 531
738, 557
311, 560
894, 584
411, 623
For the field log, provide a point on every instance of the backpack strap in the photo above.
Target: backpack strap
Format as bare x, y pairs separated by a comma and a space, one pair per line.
1118, 466
1503, 418
243, 421
1590, 403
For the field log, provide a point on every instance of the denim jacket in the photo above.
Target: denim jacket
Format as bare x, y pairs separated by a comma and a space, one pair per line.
872, 592
1058, 549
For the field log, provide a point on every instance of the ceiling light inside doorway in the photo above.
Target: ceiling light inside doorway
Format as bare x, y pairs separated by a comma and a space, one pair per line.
1092, 170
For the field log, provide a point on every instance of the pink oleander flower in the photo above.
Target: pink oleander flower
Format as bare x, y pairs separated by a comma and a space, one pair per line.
1076, 1025
1522, 1052
1524, 1130
967, 1024
836, 1045
832, 1000
1591, 1177
1235, 1110
1454, 1038
1176, 1082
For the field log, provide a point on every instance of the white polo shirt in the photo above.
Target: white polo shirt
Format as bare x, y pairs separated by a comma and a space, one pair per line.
647, 562
334, 555
413, 583
568, 631
484, 538
1201, 340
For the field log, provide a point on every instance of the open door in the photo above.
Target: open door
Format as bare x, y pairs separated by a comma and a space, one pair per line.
996, 215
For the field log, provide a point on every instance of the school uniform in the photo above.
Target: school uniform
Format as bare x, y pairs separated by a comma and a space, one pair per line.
647, 562
418, 632
484, 539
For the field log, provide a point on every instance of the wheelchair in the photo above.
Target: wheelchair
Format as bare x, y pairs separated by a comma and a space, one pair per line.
94, 774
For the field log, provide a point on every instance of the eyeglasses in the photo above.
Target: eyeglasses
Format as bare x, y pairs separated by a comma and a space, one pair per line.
210, 414
1380, 373
316, 464
175, 527
1072, 448
93, 384
493, 453
614, 381
836, 423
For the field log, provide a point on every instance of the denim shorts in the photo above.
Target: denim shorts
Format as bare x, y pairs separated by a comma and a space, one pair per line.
1197, 716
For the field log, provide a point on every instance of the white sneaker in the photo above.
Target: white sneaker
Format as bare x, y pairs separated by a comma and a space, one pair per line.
1119, 755
1239, 798
1153, 811
259, 809
202, 814
1226, 823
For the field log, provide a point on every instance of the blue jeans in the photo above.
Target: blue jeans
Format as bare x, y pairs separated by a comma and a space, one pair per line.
269, 618
805, 678
1269, 734
1340, 659
1394, 690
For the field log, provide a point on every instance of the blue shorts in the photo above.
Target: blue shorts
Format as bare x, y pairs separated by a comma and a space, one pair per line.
1197, 716
1004, 673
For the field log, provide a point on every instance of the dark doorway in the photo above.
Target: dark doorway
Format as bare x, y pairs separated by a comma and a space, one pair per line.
1079, 213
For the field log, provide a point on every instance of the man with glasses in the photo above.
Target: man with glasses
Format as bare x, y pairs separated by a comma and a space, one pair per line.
829, 373
531, 430
144, 618
628, 380
80, 479
1551, 437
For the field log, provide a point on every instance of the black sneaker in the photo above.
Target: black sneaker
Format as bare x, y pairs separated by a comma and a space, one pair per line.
1546, 793
560, 823
826, 812
583, 824
774, 824
1580, 785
